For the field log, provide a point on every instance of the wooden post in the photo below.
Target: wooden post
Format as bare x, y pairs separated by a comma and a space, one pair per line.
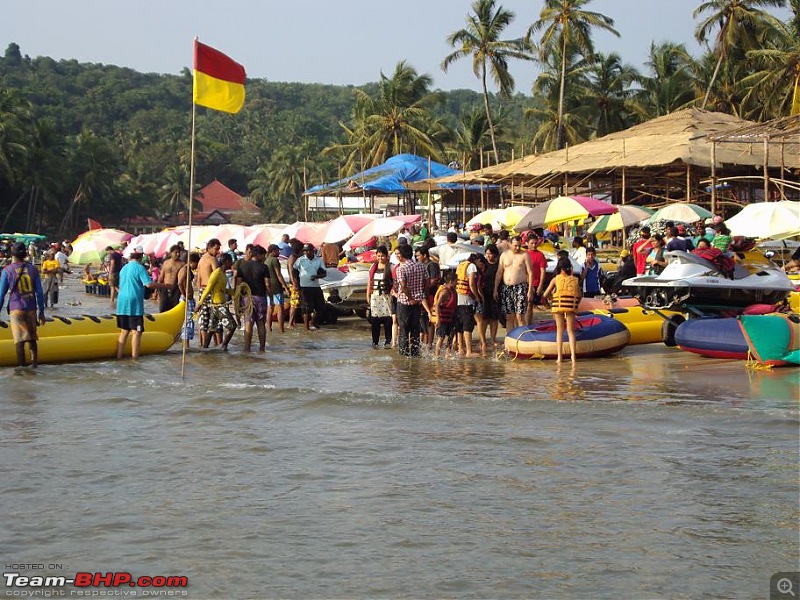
430, 218
464, 190
766, 169
688, 182
714, 177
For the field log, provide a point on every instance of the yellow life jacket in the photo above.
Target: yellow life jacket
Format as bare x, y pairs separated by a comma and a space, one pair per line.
567, 295
462, 281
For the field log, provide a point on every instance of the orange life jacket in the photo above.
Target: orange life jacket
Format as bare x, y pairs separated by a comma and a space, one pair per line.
567, 295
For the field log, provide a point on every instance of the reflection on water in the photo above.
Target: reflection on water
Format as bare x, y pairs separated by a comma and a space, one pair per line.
324, 468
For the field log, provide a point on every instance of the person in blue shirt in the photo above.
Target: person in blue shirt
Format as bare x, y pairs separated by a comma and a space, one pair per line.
133, 279
592, 275
309, 269
22, 280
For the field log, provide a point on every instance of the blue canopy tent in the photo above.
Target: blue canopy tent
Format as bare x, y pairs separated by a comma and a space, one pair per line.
394, 177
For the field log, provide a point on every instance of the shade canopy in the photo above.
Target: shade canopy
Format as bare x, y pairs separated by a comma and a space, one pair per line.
380, 227
625, 216
562, 209
390, 177
499, 218
767, 220
680, 212
344, 226
89, 247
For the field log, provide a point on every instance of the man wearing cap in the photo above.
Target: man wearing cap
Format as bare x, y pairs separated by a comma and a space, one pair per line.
22, 279
133, 279
640, 249
309, 269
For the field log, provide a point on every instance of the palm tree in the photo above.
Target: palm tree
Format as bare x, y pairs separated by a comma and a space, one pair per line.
480, 39
668, 86
740, 22
470, 137
566, 23
609, 93
771, 89
573, 113
397, 119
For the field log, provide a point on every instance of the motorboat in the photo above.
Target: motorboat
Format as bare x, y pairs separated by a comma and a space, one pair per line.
690, 283
347, 291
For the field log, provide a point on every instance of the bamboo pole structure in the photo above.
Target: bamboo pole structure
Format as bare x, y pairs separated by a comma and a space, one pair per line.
189, 236
766, 169
713, 177
688, 183
430, 218
464, 190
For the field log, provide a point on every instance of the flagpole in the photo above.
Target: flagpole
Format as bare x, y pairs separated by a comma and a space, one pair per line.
185, 342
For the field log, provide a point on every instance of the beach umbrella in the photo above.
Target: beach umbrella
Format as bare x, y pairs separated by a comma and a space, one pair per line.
499, 218
382, 227
680, 212
562, 209
625, 216
90, 246
264, 235
311, 233
766, 220
344, 226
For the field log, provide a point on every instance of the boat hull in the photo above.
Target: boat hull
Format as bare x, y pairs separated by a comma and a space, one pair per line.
712, 337
87, 337
596, 336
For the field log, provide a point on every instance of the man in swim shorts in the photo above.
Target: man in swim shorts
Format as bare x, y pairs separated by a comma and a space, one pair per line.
515, 272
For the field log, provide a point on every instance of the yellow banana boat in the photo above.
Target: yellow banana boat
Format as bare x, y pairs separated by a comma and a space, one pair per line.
88, 337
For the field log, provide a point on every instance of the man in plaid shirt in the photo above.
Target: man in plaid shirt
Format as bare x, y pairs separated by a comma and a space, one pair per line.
411, 300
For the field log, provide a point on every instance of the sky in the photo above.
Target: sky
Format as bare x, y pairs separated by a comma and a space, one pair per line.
342, 42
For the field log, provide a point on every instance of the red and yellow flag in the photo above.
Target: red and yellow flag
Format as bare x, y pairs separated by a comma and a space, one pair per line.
218, 80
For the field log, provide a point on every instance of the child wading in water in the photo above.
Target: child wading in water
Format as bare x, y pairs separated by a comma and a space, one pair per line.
565, 290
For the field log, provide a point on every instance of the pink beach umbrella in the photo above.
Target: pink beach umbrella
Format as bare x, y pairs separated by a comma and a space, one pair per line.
344, 226
312, 233
264, 235
380, 227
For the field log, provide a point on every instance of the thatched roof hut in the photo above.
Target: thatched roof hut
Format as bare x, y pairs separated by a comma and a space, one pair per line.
668, 158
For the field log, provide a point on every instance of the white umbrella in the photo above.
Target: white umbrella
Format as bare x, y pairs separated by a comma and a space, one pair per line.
767, 220
380, 227
680, 212
344, 226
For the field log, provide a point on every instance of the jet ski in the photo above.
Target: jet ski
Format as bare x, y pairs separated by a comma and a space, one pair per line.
691, 283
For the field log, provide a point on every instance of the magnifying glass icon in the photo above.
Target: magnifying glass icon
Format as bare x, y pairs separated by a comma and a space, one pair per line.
784, 586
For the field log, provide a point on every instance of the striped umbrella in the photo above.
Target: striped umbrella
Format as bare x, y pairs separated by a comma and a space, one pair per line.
624, 217
563, 209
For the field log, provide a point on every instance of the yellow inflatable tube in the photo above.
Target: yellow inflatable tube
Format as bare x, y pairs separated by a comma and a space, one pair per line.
645, 325
87, 337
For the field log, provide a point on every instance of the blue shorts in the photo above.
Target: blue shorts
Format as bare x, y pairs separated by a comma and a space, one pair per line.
277, 299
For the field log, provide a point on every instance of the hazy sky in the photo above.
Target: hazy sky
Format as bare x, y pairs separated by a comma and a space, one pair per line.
322, 41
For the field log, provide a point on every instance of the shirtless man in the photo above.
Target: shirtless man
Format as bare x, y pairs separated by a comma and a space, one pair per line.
207, 265
516, 274
170, 295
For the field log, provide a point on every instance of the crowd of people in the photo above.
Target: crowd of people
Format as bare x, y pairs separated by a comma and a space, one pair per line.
417, 299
